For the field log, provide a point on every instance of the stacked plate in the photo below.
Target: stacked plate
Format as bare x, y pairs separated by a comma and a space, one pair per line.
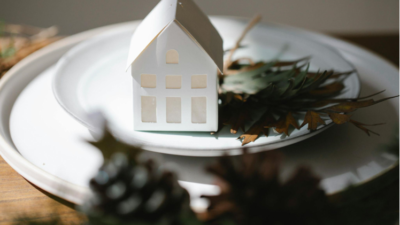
47, 100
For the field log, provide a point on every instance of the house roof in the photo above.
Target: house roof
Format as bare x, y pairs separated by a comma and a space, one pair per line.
189, 17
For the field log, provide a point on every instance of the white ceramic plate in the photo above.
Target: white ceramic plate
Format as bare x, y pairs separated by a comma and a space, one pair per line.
33, 127
92, 77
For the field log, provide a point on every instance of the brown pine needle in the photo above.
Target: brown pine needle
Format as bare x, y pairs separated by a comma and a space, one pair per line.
362, 126
252, 23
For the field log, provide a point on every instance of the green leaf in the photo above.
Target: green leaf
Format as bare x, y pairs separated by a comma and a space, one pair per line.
108, 145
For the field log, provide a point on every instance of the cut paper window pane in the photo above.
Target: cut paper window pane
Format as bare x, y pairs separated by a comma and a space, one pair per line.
148, 80
199, 81
199, 110
173, 81
172, 57
173, 110
149, 109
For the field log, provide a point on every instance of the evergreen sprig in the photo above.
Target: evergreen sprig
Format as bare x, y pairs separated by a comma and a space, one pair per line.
275, 94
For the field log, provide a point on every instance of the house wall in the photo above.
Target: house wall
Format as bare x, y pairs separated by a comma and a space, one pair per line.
192, 61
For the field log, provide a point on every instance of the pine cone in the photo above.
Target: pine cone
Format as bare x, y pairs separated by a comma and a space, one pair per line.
251, 193
127, 191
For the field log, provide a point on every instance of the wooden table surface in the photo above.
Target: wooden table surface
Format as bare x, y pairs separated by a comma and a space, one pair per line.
19, 198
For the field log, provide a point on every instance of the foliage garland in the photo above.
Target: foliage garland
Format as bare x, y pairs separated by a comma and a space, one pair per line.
267, 95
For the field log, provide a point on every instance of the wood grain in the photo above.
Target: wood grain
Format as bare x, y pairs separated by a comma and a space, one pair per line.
19, 198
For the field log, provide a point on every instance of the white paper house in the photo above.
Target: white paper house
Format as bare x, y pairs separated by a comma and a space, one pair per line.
175, 55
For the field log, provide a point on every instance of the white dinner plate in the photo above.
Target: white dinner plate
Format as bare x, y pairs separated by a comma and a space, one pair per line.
92, 77
34, 130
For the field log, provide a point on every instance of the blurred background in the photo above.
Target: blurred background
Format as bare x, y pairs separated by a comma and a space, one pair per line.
373, 24
330, 16
367, 22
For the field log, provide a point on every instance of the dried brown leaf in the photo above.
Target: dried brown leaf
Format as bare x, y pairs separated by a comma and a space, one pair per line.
261, 126
312, 119
352, 106
338, 118
284, 122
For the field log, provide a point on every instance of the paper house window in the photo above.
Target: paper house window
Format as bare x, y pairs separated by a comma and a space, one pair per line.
173, 110
172, 57
199, 81
178, 43
199, 109
149, 106
173, 81
148, 80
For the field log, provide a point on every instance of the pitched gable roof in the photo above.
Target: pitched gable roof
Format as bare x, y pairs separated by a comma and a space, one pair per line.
190, 18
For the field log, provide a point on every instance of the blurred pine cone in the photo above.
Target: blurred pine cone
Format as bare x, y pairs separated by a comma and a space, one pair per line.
252, 194
130, 192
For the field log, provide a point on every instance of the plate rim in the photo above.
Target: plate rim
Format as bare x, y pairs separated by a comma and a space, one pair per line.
200, 152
